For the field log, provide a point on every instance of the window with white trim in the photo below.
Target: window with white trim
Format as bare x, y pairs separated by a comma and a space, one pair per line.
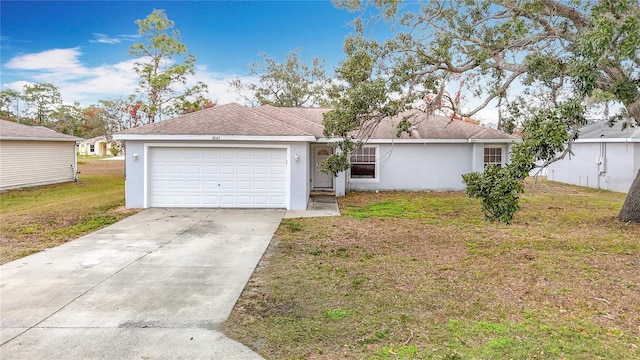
364, 165
92, 148
492, 155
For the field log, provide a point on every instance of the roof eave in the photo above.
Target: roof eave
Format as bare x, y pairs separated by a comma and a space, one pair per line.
32, 138
608, 140
426, 141
289, 138
495, 141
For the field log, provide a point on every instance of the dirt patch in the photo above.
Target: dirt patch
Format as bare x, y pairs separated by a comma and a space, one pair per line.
100, 167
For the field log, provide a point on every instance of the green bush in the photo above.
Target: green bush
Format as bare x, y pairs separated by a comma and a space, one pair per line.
498, 189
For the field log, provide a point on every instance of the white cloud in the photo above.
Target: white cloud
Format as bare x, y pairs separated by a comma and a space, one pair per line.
104, 39
16, 85
134, 37
58, 59
86, 85
218, 84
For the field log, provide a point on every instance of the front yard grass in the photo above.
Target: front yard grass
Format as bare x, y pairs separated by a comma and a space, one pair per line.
33, 219
422, 276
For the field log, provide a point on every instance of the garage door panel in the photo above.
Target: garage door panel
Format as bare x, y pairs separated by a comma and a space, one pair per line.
193, 200
244, 185
192, 155
217, 177
176, 184
192, 169
278, 170
261, 185
227, 170
261, 170
227, 200
175, 199
244, 155
158, 169
244, 201
263, 156
210, 199
263, 199
227, 154
209, 185
173, 156
210, 155
225, 185
210, 169
277, 185
193, 184
175, 170
158, 184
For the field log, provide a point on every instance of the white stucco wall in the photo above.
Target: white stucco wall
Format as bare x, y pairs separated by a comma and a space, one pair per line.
421, 167
340, 184
636, 160
609, 166
298, 189
134, 174
299, 186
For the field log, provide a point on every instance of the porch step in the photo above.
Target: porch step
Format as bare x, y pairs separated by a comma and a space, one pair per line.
323, 204
323, 198
324, 201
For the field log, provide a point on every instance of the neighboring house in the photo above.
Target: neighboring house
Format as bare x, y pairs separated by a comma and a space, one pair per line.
99, 146
35, 155
604, 158
233, 156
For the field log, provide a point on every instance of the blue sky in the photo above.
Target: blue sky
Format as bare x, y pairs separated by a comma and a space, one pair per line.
82, 46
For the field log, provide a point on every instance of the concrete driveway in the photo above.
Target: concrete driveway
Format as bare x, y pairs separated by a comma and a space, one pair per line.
158, 284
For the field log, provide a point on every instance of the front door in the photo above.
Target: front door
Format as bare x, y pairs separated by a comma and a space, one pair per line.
321, 180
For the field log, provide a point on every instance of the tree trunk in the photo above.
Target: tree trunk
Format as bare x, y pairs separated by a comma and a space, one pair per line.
631, 208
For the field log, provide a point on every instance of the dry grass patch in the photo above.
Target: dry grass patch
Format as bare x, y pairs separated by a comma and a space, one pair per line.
421, 276
33, 219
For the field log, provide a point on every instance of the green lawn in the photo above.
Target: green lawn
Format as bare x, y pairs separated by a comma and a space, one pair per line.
422, 276
33, 219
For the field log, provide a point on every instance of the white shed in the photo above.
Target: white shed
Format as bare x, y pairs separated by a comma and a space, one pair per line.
35, 155
604, 157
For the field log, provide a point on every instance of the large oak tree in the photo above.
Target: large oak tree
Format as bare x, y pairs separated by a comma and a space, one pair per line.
541, 62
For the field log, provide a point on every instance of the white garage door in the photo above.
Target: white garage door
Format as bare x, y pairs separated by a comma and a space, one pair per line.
218, 177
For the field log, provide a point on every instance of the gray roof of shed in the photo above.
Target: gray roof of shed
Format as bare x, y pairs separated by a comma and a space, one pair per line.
267, 120
602, 130
10, 130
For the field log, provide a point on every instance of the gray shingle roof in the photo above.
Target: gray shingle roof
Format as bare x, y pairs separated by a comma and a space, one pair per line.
229, 119
10, 130
235, 119
601, 130
312, 126
436, 127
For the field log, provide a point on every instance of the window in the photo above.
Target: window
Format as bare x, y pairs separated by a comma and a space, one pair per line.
92, 148
493, 155
363, 163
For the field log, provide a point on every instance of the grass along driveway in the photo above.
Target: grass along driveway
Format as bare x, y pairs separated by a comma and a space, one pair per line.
421, 276
33, 219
